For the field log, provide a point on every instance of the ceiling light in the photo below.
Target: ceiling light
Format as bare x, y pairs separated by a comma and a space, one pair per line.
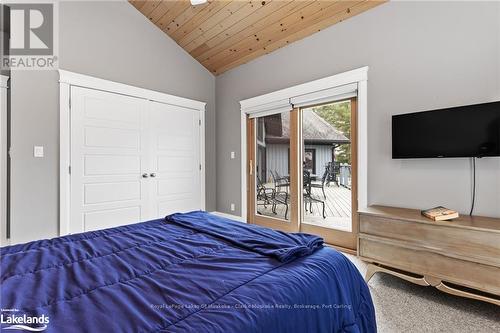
198, 2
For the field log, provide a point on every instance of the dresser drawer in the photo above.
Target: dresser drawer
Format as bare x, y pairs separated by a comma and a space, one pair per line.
477, 245
420, 261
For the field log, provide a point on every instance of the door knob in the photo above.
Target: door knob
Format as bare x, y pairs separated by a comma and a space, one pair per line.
145, 175
152, 175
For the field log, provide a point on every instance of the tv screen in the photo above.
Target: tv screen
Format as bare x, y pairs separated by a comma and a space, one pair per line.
464, 131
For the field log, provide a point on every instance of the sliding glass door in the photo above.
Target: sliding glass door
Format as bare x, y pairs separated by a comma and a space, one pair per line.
302, 171
272, 170
328, 172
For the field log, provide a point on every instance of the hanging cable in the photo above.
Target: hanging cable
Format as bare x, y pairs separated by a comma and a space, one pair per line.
473, 185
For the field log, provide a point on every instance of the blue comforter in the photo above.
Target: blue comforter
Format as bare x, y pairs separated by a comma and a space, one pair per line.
191, 272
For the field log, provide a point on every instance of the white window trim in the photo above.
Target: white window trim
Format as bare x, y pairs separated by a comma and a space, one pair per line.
326, 96
4, 79
357, 76
4, 85
262, 110
69, 79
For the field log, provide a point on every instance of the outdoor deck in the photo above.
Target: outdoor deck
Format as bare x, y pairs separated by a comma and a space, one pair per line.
337, 208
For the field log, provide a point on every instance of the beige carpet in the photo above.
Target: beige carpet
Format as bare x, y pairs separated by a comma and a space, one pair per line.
401, 306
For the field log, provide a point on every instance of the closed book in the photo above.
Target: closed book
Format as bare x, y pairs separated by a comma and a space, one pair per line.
440, 214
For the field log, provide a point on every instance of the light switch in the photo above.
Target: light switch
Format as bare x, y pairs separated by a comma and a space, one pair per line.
233, 155
38, 151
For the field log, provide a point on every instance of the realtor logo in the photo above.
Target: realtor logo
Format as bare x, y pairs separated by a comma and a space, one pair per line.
12, 319
32, 29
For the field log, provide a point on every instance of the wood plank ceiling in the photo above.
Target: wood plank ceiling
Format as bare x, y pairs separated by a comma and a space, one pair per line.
223, 34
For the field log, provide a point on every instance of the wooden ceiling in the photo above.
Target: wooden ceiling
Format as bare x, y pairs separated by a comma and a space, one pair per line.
223, 34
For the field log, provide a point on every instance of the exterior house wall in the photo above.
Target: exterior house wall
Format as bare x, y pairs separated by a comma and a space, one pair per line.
323, 156
277, 159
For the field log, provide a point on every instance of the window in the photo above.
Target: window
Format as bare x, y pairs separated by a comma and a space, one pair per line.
310, 160
260, 130
272, 167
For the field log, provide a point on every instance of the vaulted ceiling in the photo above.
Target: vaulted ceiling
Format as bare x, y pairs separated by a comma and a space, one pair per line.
223, 34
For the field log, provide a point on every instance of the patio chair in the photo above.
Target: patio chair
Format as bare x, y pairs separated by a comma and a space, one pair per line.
264, 195
270, 196
279, 181
308, 197
322, 184
333, 171
281, 198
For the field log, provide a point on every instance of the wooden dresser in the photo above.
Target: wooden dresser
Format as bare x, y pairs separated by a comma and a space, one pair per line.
460, 257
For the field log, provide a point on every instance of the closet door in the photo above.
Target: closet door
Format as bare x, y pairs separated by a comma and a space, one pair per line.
109, 160
175, 176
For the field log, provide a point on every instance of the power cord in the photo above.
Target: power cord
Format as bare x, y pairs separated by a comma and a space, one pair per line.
473, 185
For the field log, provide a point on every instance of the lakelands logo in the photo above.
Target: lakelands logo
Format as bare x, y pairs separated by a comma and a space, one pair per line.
33, 38
14, 321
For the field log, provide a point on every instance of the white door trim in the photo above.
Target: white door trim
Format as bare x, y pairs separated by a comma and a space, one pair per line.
68, 79
85, 81
4, 84
358, 76
4, 81
338, 80
228, 216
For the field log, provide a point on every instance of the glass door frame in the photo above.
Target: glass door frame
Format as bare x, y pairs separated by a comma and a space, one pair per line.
291, 225
337, 238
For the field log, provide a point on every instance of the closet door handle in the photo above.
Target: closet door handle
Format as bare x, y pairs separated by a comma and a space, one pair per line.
145, 175
152, 175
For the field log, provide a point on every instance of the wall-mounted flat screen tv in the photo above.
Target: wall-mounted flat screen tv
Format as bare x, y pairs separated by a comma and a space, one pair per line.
464, 131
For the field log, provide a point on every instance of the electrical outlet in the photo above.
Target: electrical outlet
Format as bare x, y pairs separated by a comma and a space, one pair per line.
233, 155
233, 207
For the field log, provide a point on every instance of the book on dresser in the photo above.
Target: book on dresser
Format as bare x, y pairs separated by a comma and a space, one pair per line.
440, 213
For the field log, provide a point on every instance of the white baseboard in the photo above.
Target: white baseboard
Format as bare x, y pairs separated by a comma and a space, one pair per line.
229, 216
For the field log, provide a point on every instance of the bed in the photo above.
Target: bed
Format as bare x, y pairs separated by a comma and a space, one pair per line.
191, 272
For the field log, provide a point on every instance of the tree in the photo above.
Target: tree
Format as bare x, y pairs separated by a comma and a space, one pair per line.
339, 116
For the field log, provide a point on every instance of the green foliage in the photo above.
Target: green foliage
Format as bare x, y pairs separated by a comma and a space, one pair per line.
339, 116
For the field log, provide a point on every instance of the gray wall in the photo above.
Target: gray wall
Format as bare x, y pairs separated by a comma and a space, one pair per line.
277, 159
422, 55
5, 35
109, 40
